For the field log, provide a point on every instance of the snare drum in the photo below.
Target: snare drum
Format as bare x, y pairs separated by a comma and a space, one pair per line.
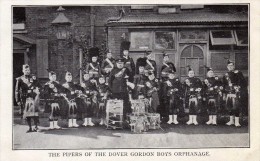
139, 124
154, 120
138, 106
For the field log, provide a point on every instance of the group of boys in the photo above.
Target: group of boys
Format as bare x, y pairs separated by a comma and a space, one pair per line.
122, 79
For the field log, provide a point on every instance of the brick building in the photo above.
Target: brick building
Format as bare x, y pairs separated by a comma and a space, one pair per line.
195, 35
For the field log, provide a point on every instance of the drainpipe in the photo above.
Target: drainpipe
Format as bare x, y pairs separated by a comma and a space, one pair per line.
92, 25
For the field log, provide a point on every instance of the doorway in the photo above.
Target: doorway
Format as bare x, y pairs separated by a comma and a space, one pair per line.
18, 61
192, 55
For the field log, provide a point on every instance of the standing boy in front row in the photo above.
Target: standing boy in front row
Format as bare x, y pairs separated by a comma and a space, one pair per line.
173, 100
193, 87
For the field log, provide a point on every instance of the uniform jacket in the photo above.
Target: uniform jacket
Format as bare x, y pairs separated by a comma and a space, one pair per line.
117, 80
106, 63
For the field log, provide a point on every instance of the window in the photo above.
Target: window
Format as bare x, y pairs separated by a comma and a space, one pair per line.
241, 37
187, 35
140, 40
165, 40
19, 15
222, 37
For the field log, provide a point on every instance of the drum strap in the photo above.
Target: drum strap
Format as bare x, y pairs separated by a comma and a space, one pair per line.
92, 66
109, 62
150, 64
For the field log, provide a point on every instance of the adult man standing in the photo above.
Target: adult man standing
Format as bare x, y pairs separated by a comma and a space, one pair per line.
128, 61
166, 67
27, 97
118, 84
234, 87
93, 67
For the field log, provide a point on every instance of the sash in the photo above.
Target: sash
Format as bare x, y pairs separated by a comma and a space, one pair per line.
150, 64
109, 62
120, 73
91, 65
166, 64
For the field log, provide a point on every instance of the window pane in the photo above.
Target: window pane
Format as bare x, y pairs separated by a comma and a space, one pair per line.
140, 40
218, 62
222, 37
242, 37
241, 61
182, 63
221, 34
183, 71
193, 35
186, 52
197, 52
165, 40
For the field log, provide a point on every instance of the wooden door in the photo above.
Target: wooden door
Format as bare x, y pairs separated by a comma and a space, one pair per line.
193, 55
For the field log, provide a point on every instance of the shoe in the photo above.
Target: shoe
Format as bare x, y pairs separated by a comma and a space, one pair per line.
210, 120
55, 125
101, 122
28, 131
231, 121
170, 120
85, 122
90, 123
194, 120
237, 124
175, 120
190, 120
35, 129
51, 125
74, 123
214, 120
70, 123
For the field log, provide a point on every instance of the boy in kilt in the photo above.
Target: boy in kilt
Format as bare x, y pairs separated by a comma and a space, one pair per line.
152, 88
234, 86
103, 94
70, 96
174, 94
89, 102
212, 94
52, 93
193, 96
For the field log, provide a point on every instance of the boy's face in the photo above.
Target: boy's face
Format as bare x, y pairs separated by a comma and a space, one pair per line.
125, 52
151, 77
191, 74
86, 76
27, 71
101, 80
53, 77
171, 76
68, 78
166, 58
109, 55
210, 73
94, 59
141, 69
230, 67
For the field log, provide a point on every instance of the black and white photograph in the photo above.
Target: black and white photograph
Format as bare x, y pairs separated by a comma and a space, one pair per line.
130, 76
129, 80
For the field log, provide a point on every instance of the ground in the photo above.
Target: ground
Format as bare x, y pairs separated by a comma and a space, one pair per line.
173, 136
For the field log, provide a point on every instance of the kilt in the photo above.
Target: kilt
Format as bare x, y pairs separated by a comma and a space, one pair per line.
31, 107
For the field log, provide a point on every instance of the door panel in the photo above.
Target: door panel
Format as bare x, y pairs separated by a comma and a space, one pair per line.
192, 55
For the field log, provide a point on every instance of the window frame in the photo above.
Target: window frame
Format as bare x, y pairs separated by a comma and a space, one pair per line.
237, 40
174, 38
222, 41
